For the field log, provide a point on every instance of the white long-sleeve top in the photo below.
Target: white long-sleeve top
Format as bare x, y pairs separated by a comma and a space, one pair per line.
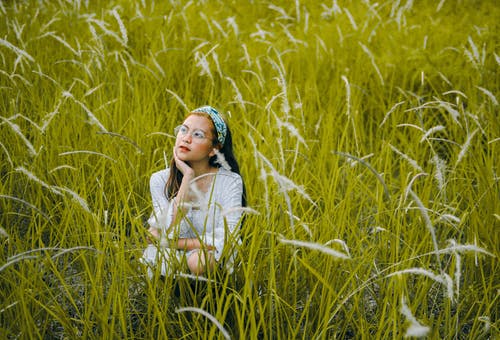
205, 219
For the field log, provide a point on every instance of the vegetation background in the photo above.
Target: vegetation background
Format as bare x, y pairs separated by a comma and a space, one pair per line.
368, 135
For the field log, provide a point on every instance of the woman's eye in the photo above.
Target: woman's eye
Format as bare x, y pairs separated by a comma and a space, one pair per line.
183, 129
198, 134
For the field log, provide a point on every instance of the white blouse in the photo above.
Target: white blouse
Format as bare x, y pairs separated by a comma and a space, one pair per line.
208, 218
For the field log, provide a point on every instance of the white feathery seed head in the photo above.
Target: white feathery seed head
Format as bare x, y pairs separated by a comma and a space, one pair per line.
416, 329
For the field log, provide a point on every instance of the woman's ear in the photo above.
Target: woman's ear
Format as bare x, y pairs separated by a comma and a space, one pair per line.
213, 152
216, 148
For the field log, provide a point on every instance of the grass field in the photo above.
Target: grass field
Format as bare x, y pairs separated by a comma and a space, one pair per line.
368, 135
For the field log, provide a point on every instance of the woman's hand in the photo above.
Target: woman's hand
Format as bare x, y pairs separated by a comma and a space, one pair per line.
152, 235
193, 243
183, 167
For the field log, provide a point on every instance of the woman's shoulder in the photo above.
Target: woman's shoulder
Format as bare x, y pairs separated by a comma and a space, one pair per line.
228, 175
159, 177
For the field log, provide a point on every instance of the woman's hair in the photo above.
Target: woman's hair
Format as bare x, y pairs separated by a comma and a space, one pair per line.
175, 175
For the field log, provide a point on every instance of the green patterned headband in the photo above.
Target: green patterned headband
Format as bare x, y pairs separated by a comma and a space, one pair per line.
219, 123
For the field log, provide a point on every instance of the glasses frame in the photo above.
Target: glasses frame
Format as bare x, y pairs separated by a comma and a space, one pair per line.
178, 131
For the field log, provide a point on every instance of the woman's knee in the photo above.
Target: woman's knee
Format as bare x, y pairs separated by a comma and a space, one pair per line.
199, 261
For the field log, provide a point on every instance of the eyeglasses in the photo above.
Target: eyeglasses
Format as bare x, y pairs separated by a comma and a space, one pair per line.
197, 134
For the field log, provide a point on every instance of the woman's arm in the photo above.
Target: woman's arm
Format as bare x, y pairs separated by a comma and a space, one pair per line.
166, 213
159, 218
182, 194
190, 244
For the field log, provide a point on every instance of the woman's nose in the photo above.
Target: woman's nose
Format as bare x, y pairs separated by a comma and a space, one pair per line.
187, 138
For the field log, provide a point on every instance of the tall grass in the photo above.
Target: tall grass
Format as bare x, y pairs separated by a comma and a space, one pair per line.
367, 135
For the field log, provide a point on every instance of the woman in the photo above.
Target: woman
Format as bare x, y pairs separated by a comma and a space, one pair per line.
197, 201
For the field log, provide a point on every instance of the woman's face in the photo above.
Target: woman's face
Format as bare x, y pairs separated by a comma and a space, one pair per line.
194, 140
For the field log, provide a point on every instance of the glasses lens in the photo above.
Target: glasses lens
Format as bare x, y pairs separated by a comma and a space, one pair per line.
198, 134
180, 129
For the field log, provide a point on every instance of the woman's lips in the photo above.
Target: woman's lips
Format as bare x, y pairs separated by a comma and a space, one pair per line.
183, 148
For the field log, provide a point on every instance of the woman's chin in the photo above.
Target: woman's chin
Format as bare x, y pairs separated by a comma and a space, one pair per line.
186, 159
182, 155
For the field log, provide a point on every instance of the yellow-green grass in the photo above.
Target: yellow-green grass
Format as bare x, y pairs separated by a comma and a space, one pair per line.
368, 139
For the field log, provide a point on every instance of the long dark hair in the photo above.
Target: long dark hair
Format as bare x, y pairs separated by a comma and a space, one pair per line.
175, 175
